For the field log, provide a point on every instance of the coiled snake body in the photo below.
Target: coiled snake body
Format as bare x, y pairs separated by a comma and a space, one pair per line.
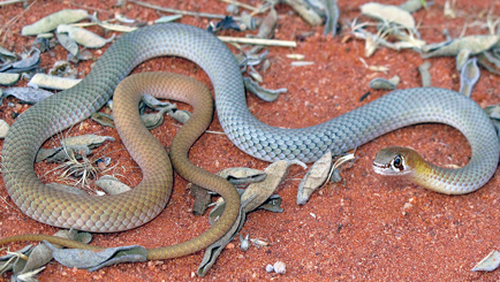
395, 110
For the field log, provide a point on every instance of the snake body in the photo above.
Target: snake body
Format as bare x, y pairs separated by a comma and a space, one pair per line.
395, 110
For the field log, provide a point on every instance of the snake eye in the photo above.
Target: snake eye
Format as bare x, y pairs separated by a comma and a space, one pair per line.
397, 162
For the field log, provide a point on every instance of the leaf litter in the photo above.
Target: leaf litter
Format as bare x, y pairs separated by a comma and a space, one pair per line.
409, 40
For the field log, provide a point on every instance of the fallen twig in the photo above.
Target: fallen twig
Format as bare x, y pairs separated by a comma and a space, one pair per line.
181, 12
258, 41
243, 5
7, 2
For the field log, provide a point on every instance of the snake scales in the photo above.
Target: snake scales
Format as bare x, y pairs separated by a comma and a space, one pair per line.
395, 110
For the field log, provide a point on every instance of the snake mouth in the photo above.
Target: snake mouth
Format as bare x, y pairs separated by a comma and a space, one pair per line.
382, 169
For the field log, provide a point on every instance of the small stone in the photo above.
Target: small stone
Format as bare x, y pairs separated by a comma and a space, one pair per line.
269, 268
280, 267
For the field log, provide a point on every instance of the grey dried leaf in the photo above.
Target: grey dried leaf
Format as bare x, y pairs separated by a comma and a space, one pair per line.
6, 54
202, 198
154, 103
112, 185
83, 55
4, 128
475, 43
255, 75
469, 76
264, 94
92, 260
52, 82
462, 58
389, 13
493, 111
84, 37
266, 28
242, 175
113, 27
8, 261
248, 21
123, 19
488, 61
315, 178
8, 79
232, 9
261, 191
213, 251
336, 177
272, 204
305, 11
489, 263
29, 62
332, 16
39, 256
60, 154
244, 243
90, 140
425, 74
68, 43
51, 22
167, 19
103, 119
412, 5
385, 84
181, 116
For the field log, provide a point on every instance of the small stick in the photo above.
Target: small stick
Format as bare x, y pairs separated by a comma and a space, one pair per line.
7, 2
181, 12
239, 4
258, 41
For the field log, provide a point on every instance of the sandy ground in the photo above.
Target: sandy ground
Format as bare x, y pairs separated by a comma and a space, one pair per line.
361, 230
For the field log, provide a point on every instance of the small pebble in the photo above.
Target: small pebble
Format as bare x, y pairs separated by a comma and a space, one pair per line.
269, 268
280, 267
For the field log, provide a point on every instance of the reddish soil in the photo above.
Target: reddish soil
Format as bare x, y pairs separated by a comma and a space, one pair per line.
361, 230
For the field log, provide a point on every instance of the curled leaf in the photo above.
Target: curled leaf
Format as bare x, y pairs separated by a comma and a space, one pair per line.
264, 94
52, 82
51, 22
315, 178
94, 260
425, 74
469, 76
4, 128
474, 43
462, 58
389, 13
385, 84
84, 37
8, 79
489, 263
112, 185
242, 175
261, 191
68, 43
332, 16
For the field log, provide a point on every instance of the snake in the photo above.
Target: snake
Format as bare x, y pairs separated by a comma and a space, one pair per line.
397, 109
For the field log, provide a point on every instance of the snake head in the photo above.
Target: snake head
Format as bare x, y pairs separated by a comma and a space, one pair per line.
396, 161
